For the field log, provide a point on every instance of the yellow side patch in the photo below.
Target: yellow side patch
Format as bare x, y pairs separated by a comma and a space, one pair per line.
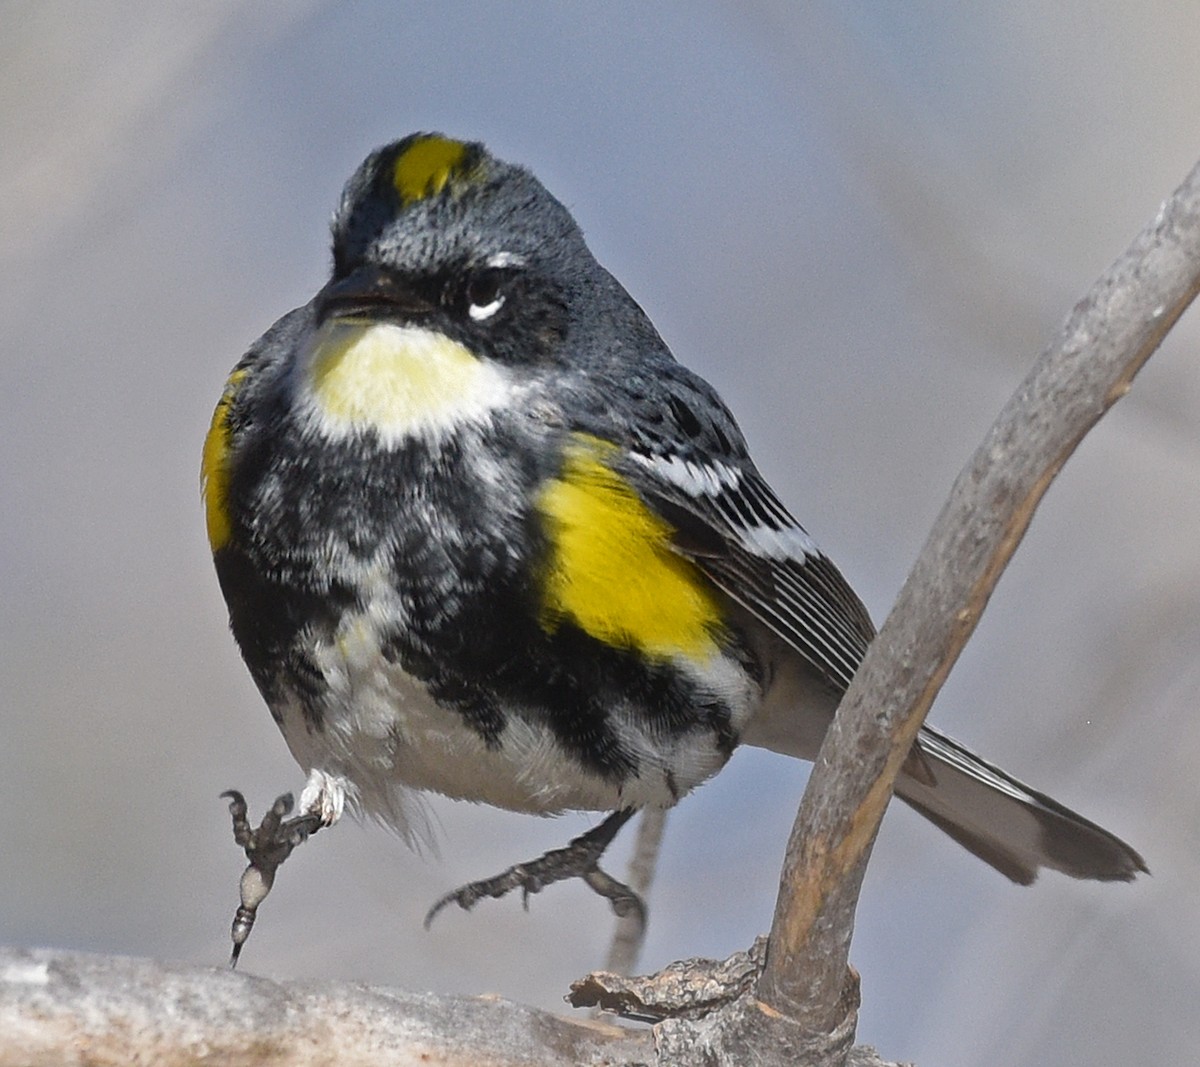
612, 569
214, 468
424, 168
397, 380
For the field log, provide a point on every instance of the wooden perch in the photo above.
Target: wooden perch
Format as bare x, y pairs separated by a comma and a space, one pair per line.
60, 1009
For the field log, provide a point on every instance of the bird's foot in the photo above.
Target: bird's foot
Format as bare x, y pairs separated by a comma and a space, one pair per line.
266, 847
579, 859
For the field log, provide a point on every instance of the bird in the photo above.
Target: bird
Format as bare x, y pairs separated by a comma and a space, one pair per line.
480, 534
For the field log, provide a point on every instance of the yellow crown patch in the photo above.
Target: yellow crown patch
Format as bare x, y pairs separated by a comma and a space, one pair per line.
424, 168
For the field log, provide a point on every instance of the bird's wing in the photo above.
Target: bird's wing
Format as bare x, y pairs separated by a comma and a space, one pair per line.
733, 527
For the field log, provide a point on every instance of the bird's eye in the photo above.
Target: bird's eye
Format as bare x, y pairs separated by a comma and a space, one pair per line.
485, 294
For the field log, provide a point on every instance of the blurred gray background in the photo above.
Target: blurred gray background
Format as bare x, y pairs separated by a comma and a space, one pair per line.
860, 219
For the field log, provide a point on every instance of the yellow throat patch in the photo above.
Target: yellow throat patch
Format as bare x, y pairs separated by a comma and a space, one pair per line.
424, 168
398, 381
612, 569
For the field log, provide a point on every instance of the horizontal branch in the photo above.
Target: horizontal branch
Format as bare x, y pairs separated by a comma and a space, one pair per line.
61, 1009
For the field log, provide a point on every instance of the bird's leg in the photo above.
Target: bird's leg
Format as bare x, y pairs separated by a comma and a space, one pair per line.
266, 847
580, 859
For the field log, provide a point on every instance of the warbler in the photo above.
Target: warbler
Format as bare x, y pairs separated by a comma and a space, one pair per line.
480, 534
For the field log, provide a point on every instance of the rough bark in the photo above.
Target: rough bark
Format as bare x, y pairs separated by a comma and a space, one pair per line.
60, 1009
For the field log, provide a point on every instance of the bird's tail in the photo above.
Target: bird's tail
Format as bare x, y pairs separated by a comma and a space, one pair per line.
1006, 824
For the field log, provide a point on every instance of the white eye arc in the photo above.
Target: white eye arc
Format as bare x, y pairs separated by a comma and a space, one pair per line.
479, 312
485, 293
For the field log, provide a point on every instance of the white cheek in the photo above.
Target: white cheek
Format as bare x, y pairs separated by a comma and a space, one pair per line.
479, 312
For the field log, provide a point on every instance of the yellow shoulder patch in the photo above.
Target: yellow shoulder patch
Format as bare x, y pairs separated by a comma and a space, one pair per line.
424, 168
214, 468
612, 570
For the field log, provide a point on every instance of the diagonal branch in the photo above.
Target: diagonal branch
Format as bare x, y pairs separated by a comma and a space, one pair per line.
1103, 344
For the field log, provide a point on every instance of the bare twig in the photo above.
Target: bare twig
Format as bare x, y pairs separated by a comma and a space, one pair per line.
1105, 341
630, 932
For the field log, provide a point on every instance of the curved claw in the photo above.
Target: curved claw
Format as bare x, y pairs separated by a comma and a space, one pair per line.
266, 847
579, 859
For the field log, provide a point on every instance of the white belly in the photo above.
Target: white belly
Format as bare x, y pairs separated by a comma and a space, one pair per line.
383, 734
382, 738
